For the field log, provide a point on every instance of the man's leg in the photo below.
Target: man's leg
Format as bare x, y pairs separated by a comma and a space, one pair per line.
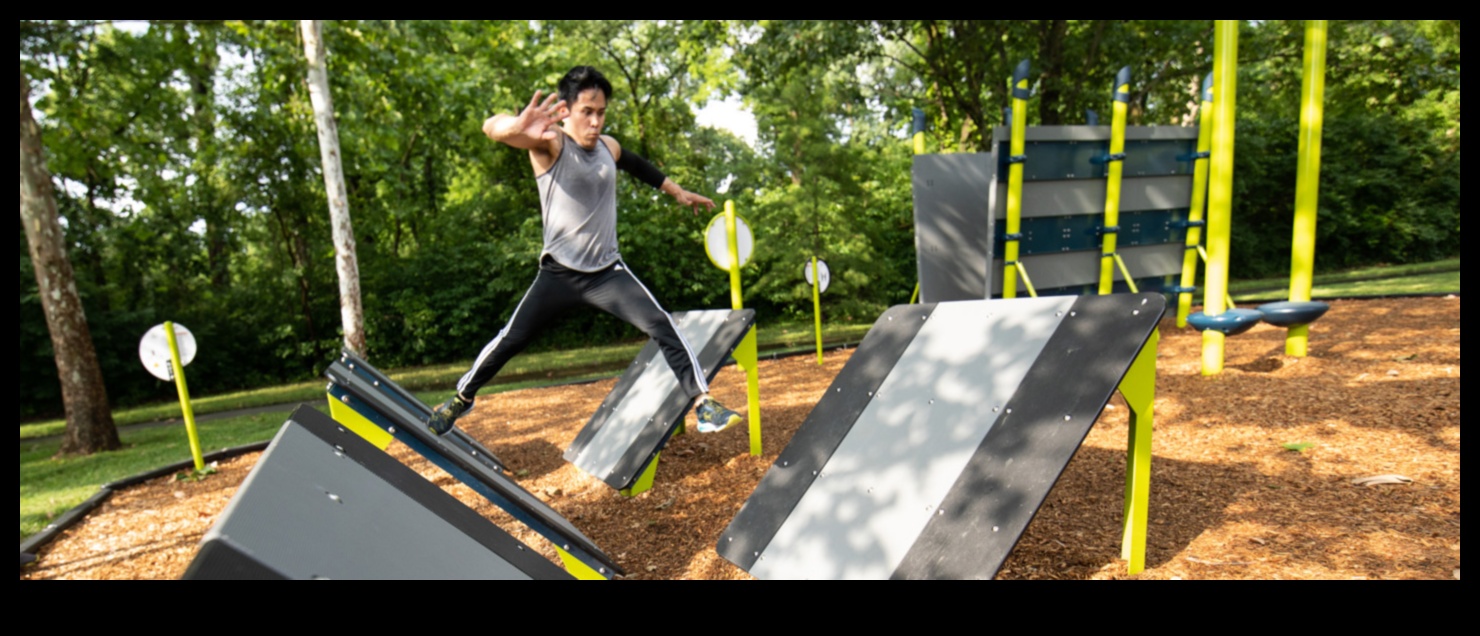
548, 296
618, 291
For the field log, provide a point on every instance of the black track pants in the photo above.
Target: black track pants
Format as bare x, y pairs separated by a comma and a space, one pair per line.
558, 289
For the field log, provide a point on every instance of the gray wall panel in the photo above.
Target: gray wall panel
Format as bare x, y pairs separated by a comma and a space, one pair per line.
1069, 269
1062, 198
953, 238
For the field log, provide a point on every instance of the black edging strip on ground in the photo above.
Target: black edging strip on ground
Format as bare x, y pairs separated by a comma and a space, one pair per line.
67, 519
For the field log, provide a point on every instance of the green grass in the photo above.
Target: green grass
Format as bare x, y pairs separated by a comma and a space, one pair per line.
1437, 282
51, 486
1381, 280
525, 370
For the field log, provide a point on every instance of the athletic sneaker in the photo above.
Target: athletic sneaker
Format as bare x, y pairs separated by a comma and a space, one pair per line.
443, 416
714, 417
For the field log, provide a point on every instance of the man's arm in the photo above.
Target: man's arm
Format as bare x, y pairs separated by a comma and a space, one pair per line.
633, 164
533, 128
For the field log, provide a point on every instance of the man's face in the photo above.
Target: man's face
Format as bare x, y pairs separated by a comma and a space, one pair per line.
587, 116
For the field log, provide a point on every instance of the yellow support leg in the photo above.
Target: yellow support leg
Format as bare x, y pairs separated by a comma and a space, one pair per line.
1296, 340
352, 420
1027, 282
1126, 273
1139, 389
579, 569
645, 480
747, 359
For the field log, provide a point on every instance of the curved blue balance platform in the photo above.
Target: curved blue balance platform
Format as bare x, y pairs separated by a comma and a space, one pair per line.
1231, 322
1292, 313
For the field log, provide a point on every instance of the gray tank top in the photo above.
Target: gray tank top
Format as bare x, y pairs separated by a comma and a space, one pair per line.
578, 203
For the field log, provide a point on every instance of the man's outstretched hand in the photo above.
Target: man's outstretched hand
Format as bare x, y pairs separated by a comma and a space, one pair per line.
533, 124
684, 197
538, 120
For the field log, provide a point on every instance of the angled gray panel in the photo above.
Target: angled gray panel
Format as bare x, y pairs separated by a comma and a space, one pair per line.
946, 465
312, 509
634, 421
798, 464
953, 234
1015, 467
881, 485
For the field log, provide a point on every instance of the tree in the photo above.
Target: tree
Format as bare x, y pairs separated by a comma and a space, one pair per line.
89, 421
350, 310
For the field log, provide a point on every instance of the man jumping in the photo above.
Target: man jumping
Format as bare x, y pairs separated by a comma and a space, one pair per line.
575, 168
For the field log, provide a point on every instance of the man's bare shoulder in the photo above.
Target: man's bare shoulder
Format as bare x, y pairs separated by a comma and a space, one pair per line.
613, 146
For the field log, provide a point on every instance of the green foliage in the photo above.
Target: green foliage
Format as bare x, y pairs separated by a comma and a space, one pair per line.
1390, 162
187, 166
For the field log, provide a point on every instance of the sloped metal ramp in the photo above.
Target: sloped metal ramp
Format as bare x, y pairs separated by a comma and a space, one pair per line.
943, 434
323, 503
620, 443
367, 401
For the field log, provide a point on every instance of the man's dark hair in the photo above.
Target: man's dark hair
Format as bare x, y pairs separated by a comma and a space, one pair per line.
579, 79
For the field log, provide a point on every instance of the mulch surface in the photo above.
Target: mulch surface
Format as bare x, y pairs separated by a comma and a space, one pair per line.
1378, 394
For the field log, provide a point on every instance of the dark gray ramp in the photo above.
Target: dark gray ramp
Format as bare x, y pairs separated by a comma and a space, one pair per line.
936, 444
647, 405
363, 388
322, 503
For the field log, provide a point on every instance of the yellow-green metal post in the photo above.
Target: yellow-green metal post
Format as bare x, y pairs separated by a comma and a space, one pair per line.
1220, 186
732, 244
817, 306
1019, 123
1307, 178
178, 370
1139, 389
917, 125
1115, 165
1199, 200
918, 130
746, 355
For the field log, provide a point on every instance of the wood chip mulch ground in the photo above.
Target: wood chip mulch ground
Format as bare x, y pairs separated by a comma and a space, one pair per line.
1378, 395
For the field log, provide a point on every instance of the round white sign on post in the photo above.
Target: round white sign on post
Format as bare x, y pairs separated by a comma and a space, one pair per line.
822, 273
717, 244
154, 350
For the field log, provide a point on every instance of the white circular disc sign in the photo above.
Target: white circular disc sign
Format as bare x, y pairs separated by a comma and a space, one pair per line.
821, 273
154, 350
717, 245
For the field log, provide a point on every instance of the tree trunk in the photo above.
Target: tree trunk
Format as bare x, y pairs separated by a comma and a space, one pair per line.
350, 310
89, 421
